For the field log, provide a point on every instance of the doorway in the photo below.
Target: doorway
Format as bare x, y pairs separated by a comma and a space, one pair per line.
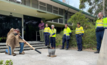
31, 30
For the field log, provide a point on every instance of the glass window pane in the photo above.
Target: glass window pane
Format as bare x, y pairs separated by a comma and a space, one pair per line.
35, 3
49, 8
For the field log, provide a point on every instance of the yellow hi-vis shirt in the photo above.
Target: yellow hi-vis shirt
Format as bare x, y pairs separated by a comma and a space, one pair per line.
99, 23
67, 31
53, 31
79, 30
47, 29
105, 22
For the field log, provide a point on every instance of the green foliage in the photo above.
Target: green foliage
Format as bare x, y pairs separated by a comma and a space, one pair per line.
95, 5
59, 39
78, 17
1, 62
8, 62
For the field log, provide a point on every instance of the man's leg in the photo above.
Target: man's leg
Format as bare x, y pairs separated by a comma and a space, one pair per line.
77, 41
54, 45
98, 41
8, 51
48, 39
45, 39
63, 42
51, 42
42, 35
80, 43
67, 45
101, 33
21, 47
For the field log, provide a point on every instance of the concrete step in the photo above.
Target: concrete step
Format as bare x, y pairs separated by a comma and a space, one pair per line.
25, 48
35, 44
28, 42
39, 45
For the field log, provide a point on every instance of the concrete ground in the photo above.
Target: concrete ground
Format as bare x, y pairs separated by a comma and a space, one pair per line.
64, 57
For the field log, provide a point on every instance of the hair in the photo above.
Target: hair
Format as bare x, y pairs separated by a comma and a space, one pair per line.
79, 23
17, 29
101, 13
66, 24
52, 25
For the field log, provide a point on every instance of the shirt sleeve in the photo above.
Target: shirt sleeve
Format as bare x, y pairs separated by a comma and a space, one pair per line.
42, 24
70, 30
82, 29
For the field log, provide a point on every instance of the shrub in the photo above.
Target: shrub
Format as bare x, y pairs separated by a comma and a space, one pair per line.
8, 62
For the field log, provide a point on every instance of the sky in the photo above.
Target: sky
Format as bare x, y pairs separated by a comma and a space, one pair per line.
76, 3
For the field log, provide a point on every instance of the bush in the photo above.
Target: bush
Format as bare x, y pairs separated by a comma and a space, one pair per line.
8, 62
89, 39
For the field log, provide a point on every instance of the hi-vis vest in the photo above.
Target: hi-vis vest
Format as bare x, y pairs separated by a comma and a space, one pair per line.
99, 23
79, 30
67, 31
47, 29
52, 31
105, 22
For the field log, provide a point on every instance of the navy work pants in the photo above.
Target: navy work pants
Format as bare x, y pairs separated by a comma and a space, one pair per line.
79, 41
63, 42
46, 38
99, 36
52, 40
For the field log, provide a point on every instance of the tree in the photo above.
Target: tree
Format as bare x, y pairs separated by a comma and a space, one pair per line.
95, 6
79, 17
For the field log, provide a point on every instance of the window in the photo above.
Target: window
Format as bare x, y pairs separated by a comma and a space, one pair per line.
61, 11
60, 20
55, 20
55, 10
42, 6
35, 3
49, 8
27, 2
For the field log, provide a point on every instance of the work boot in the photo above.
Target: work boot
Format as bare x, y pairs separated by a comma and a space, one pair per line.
22, 52
6, 52
79, 50
62, 48
96, 51
14, 54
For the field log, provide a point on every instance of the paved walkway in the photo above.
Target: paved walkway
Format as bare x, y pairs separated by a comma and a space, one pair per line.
64, 57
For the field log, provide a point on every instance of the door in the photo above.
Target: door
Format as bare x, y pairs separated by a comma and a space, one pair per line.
31, 30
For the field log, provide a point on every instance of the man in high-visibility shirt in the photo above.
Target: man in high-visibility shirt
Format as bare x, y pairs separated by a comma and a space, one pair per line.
79, 33
46, 35
66, 37
52, 36
101, 24
52, 40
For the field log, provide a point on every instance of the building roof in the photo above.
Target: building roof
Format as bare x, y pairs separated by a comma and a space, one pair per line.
64, 4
